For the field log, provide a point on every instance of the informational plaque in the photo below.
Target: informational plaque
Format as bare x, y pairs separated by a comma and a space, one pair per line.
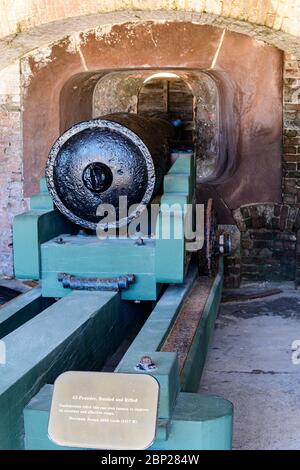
101, 410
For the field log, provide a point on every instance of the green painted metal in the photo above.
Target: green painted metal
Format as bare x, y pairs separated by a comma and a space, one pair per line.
179, 183
171, 199
183, 169
184, 164
162, 317
30, 230
152, 263
21, 309
36, 416
170, 240
37, 255
41, 202
43, 186
83, 328
91, 257
33, 228
149, 339
167, 374
199, 422
160, 322
186, 420
194, 421
78, 332
181, 177
170, 227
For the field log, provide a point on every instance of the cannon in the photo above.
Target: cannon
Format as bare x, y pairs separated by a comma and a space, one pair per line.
97, 161
95, 291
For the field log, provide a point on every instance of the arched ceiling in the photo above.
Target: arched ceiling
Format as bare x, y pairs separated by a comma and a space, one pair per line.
17, 45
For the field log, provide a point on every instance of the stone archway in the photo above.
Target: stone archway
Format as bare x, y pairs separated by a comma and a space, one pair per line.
36, 25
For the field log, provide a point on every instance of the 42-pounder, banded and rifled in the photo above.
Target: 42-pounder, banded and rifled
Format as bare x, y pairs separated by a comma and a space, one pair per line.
97, 161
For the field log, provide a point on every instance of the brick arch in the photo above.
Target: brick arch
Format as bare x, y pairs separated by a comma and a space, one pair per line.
26, 35
269, 244
272, 21
281, 217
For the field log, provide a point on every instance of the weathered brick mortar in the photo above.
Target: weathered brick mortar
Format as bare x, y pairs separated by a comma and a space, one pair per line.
11, 180
268, 240
291, 137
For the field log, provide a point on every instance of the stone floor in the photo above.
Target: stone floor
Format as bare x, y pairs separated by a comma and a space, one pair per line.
250, 364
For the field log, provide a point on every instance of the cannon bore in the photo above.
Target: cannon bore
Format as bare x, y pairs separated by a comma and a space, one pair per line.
96, 162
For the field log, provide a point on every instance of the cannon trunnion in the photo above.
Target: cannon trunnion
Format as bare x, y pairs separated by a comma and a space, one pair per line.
97, 161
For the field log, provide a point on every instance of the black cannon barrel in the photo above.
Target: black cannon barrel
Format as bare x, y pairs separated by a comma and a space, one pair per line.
97, 161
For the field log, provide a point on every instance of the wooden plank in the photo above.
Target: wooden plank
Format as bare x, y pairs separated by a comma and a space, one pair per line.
184, 329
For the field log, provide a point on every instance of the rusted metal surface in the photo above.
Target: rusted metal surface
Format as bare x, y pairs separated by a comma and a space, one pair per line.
184, 329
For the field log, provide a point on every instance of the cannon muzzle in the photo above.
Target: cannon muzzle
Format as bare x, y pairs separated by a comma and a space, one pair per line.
97, 161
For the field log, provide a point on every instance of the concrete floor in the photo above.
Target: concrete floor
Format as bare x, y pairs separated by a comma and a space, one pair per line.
250, 364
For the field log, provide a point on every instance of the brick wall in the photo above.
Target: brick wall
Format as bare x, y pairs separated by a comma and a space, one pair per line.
11, 184
18, 15
268, 241
270, 236
291, 137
